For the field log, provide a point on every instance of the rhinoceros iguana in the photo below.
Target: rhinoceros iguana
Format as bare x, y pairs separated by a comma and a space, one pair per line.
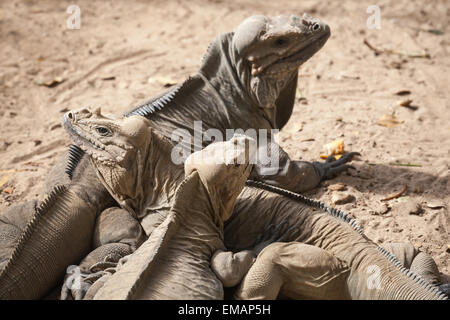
328, 255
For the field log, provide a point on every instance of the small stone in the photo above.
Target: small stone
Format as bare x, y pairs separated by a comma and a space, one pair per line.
342, 198
337, 187
8, 190
298, 127
435, 205
379, 209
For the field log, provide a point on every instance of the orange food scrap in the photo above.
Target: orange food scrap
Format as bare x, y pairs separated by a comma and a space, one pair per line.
324, 156
335, 148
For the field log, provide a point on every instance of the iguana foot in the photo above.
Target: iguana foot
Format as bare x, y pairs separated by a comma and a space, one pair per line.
76, 284
445, 288
332, 167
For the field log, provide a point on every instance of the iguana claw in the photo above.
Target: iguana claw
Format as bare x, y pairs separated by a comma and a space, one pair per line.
332, 167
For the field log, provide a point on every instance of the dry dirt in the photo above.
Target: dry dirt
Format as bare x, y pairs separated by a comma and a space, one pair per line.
127, 51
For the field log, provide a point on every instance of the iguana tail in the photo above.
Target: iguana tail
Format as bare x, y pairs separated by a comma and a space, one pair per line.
44, 250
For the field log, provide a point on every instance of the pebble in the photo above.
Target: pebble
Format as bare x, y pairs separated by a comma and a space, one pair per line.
342, 198
379, 208
337, 187
435, 205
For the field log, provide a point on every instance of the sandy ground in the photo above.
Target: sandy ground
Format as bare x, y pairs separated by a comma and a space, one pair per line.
127, 51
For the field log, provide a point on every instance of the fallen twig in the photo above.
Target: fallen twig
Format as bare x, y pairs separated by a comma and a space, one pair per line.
401, 53
396, 195
405, 164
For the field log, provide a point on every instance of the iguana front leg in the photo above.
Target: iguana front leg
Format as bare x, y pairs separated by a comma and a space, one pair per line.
117, 234
231, 267
274, 166
294, 270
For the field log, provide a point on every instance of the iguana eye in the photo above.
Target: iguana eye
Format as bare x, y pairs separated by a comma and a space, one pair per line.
103, 131
316, 27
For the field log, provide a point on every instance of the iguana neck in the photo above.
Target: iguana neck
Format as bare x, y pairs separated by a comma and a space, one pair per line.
151, 182
202, 215
227, 73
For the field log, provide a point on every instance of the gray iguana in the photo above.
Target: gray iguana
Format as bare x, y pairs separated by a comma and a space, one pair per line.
328, 255
224, 94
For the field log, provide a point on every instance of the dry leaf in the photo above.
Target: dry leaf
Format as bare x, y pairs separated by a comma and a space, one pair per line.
403, 92
389, 121
8, 190
107, 77
165, 82
405, 103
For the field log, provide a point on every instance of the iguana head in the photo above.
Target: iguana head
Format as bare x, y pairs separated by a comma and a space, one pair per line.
268, 53
223, 168
117, 147
275, 46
